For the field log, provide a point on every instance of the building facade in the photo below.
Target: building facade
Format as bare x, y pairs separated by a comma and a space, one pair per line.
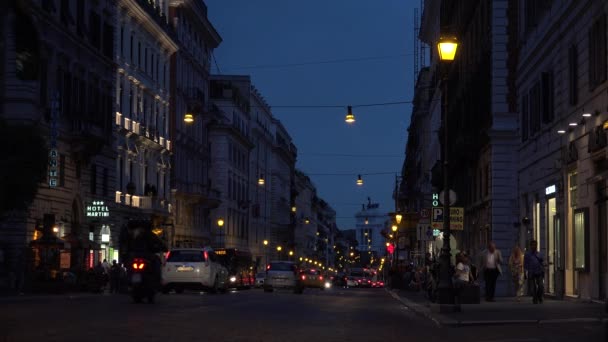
56, 87
260, 182
231, 145
145, 44
282, 220
192, 190
562, 73
480, 97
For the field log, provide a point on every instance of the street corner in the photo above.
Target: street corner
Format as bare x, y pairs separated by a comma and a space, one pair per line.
420, 309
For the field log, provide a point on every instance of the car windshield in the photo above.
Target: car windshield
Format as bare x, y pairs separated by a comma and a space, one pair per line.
186, 256
281, 266
260, 275
358, 274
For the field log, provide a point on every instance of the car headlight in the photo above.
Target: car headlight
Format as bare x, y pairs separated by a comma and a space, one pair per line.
232, 279
327, 285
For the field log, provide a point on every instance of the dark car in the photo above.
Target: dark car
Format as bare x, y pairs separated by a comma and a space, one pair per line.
339, 280
312, 279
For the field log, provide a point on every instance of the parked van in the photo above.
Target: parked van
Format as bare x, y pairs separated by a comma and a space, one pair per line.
193, 268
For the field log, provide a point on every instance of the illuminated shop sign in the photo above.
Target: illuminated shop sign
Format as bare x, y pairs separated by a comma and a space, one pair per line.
550, 190
435, 200
98, 209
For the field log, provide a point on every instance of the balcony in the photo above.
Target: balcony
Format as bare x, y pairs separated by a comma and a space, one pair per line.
150, 133
146, 203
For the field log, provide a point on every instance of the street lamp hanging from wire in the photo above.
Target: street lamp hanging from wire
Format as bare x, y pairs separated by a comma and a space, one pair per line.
350, 117
359, 180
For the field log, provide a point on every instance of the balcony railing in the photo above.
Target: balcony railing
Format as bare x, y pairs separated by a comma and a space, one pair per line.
143, 202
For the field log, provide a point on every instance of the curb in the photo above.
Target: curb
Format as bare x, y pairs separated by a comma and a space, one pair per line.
417, 308
446, 322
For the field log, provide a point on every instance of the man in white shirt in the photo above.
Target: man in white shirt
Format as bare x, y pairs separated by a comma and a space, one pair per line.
490, 261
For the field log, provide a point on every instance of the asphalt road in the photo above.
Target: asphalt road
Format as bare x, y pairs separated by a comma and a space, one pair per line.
335, 315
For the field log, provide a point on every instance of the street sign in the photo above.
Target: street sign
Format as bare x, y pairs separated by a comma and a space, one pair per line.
425, 213
456, 218
424, 232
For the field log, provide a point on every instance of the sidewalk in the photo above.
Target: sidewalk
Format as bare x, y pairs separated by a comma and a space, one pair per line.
504, 311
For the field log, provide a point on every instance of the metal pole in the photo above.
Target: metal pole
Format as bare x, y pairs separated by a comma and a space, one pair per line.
445, 280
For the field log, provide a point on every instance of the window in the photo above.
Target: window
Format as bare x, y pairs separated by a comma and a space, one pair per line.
95, 30
120, 173
93, 179
131, 49
65, 13
525, 117
139, 54
122, 37
581, 239
146, 59
597, 52
104, 182
535, 109
108, 40
27, 55
80, 28
547, 94
572, 75
62, 170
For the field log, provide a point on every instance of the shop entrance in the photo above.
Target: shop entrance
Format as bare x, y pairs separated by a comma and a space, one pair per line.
602, 254
552, 243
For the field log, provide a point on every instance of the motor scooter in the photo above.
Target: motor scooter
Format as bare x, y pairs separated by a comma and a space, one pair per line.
144, 279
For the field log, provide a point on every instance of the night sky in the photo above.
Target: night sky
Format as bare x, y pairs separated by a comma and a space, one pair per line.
374, 44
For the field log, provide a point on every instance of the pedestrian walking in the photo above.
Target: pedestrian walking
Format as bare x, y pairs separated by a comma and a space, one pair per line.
115, 275
462, 273
535, 272
490, 261
516, 267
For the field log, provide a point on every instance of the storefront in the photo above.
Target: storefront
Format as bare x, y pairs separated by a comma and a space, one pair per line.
99, 218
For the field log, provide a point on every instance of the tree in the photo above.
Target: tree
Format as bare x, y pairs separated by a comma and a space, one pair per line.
23, 165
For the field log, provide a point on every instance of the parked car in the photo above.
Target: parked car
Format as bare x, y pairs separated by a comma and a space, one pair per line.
312, 278
193, 268
282, 275
259, 279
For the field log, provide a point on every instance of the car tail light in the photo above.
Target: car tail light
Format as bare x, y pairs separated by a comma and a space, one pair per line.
369, 281
138, 264
267, 267
320, 277
303, 277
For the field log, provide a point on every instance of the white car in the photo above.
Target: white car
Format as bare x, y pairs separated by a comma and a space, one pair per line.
282, 275
193, 268
259, 279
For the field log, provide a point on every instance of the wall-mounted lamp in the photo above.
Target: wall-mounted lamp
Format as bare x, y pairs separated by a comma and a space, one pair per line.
220, 222
261, 180
188, 118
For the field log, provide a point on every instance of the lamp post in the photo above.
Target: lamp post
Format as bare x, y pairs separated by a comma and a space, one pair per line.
220, 223
447, 50
266, 251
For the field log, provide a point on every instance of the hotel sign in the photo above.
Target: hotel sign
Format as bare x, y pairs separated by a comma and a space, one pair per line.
54, 133
98, 209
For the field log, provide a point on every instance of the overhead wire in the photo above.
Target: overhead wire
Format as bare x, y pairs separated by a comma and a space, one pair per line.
330, 61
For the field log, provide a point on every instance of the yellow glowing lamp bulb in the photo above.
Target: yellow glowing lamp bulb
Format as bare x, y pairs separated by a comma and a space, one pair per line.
188, 118
447, 47
350, 117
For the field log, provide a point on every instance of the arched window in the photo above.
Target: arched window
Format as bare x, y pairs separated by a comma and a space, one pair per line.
27, 53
